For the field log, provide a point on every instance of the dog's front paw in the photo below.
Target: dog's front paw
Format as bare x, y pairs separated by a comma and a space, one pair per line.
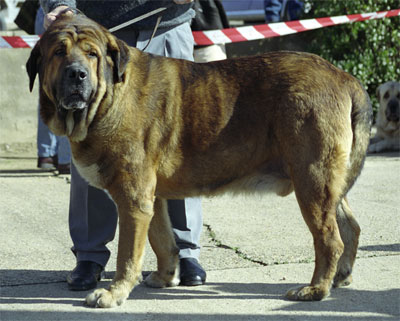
102, 298
307, 293
154, 280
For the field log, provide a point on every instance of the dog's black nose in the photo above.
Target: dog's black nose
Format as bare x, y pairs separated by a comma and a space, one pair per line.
76, 72
393, 111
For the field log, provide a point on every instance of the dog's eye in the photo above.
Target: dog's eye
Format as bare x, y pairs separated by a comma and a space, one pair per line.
92, 54
386, 96
60, 52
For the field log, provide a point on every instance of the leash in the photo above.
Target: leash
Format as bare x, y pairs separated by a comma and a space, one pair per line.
134, 20
137, 19
142, 17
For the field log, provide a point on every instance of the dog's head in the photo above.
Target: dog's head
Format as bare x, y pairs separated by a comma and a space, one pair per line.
76, 60
389, 101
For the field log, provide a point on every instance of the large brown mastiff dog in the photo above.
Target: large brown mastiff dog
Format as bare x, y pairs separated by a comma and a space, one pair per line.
148, 128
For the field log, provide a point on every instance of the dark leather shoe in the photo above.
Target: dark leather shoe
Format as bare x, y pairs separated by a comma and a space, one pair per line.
191, 272
64, 169
85, 276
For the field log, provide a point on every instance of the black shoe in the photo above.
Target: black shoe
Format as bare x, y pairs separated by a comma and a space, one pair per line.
85, 276
191, 272
64, 169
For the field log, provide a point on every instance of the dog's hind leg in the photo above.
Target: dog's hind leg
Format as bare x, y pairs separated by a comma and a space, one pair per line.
163, 244
328, 250
319, 185
349, 232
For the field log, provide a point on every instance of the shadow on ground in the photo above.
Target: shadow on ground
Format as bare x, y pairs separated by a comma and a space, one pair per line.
55, 291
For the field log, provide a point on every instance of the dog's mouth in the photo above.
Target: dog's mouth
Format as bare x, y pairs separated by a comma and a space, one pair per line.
72, 109
392, 118
71, 117
73, 102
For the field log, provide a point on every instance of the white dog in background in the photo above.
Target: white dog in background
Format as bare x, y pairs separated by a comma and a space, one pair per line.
387, 121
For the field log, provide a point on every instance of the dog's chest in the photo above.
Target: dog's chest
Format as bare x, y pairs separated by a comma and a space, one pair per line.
90, 173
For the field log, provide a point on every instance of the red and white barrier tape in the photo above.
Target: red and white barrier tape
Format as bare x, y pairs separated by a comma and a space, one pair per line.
239, 34
247, 33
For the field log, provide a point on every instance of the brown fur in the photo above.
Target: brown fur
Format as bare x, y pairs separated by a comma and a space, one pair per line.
156, 128
387, 136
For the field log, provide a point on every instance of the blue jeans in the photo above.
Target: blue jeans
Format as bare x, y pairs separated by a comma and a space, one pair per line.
49, 145
282, 10
93, 215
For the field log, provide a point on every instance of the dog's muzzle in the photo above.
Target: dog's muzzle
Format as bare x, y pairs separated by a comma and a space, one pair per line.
393, 110
74, 88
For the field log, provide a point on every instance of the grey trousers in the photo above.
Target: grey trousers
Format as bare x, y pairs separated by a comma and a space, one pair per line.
93, 215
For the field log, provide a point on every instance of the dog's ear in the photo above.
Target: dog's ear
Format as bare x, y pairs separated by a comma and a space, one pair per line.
378, 92
32, 65
119, 52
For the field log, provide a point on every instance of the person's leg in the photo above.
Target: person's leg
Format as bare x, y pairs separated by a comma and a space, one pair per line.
186, 215
272, 10
64, 155
92, 220
294, 9
187, 221
92, 224
46, 145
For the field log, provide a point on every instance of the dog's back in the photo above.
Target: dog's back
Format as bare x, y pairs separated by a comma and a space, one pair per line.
256, 117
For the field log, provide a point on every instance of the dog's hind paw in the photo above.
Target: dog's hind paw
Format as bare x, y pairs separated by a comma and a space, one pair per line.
154, 280
307, 293
102, 298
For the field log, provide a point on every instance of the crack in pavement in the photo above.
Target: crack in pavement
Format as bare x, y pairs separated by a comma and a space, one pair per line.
239, 252
218, 243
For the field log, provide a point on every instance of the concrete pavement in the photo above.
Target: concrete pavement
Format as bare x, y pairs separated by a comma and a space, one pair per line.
254, 250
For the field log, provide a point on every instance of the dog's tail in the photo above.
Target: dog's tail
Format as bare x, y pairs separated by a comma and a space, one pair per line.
361, 118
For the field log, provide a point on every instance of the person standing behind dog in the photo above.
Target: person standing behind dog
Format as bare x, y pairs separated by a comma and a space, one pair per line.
210, 15
92, 214
282, 10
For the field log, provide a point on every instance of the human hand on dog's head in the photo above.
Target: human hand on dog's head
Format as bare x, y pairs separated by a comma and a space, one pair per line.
54, 14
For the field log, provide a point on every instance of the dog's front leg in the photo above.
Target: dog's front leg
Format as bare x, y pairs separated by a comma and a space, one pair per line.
135, 214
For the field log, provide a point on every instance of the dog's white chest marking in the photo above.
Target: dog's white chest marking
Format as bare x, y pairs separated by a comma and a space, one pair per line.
90, 174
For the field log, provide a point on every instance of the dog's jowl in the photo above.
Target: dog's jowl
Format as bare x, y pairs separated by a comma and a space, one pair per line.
148, 128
